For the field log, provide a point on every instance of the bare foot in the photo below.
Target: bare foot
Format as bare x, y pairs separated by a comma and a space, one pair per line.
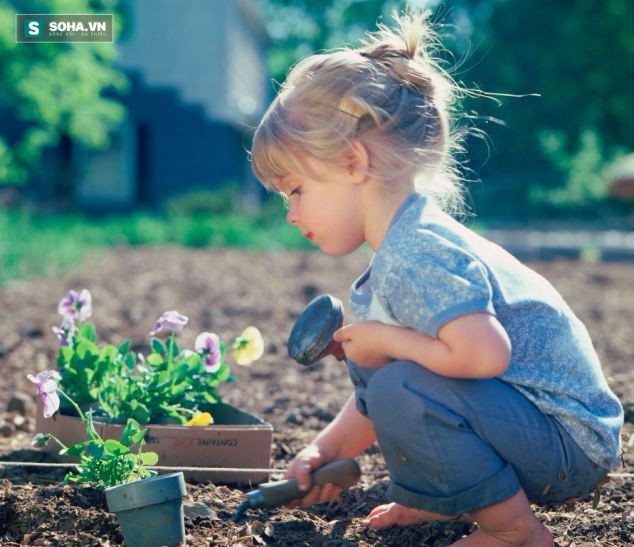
396, 514
509, 522
539, 537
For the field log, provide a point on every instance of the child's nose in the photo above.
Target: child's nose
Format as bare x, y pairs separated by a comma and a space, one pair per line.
291, 216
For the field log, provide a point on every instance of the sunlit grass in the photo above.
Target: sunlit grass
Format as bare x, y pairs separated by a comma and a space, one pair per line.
32, 245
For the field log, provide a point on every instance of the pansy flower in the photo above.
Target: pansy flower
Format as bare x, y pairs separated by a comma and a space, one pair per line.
171, 321
76, 305
46, 383
208, 346
248, 347
202, 418
66, 331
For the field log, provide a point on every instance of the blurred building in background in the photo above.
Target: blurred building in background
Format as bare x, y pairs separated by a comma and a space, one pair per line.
199, 84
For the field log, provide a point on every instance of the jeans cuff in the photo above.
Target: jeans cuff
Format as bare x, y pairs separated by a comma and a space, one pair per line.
495, 489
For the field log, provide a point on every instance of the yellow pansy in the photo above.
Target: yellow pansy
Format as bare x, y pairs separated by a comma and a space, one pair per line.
248, 347
202, 418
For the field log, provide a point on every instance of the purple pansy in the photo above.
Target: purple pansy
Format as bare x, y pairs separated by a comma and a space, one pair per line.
76, 305
171, 321
66, 331
46, 383
208, 345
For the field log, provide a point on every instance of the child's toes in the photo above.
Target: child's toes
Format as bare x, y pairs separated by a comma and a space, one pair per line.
380, 516
379, 509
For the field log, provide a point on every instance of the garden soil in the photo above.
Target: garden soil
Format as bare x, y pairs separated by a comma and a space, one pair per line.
224, 291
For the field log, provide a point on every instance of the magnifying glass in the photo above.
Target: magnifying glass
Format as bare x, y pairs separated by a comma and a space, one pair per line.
311, 337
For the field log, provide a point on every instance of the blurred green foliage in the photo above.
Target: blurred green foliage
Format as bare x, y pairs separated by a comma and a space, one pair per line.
579, 56
54, 89
203, 201
586, 171
33, 244
543, 155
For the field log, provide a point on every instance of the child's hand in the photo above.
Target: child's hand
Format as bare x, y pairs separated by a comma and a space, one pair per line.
309, 459
364, 342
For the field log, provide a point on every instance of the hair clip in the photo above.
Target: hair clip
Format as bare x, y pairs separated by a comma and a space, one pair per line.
349, 113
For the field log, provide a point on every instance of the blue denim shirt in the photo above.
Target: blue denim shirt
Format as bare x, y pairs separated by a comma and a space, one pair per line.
431, 269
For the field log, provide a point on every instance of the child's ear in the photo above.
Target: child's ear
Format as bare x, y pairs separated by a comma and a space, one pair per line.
357, 162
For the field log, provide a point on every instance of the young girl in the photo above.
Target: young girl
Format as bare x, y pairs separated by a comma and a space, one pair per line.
481, 387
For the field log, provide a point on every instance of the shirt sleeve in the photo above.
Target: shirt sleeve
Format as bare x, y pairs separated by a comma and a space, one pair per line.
433, 283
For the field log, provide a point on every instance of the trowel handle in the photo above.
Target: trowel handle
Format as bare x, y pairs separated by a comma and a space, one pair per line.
343, 473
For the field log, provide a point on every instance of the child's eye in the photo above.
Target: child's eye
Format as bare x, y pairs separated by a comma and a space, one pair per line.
296, 191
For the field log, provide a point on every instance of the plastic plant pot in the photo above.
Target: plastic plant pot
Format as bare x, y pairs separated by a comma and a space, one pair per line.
150, 511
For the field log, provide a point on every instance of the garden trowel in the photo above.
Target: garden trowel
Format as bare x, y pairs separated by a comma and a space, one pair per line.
343, 473
311, 337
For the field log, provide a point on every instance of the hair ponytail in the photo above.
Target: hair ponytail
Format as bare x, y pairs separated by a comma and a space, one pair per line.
391, 94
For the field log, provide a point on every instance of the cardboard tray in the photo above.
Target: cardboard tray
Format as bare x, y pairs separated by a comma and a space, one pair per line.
237, 439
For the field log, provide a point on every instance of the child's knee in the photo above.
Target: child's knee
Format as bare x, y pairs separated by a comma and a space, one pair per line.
405, 392
388, 386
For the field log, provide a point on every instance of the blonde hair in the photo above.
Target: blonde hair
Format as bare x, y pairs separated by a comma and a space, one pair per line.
391, 94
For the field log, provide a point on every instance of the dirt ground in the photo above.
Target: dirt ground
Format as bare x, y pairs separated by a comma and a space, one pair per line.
223, 291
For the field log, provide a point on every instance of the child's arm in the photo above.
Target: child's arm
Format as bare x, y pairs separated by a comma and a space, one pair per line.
471, 346
346, 436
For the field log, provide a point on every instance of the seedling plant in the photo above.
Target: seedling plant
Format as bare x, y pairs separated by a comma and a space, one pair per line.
167, 384
102, 463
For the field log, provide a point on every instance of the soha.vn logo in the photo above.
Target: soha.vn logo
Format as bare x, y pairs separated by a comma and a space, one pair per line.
33, 27
77, 26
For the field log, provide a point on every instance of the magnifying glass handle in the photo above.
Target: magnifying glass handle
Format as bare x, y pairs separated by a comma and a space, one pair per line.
335, 349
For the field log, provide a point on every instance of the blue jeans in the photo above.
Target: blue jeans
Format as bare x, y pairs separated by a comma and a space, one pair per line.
455, 445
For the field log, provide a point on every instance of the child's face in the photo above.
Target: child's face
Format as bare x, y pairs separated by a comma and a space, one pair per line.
326, 206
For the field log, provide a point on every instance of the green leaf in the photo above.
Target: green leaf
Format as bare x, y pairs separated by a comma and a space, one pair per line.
223, 372
68, 374
87, 349
74, 477
132, 433
115, 447
87, 331
158, 346
131, 427
141, 413
182, 372
149, 458
138, 436
75, 450
123, 348
96, 449
130, 361
174, 347
179, 389
194, 360
154, 359
65, 355
210, 398
161, 379
85, 375
108, 353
